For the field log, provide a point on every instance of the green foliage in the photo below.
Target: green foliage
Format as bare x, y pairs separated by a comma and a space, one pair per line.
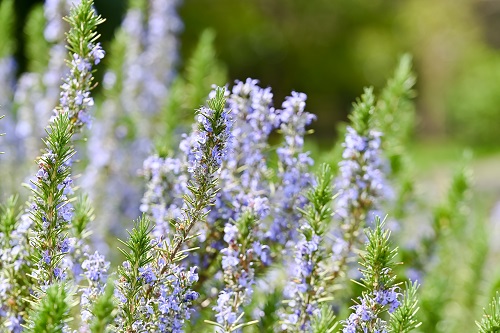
319, 213
137, 253
395, 111
448, 303
490, 323
49, 197
9, 215
403, 320
393, 115
82, 216
7, 15
454, 207
441, 278
138, 4
203, 70
378, 278
37, 48
246, 225
362, 115
189, 91
51, 313
325, 322
473, 100
137, 248
104, 310
377, 261
270, 319
83, 21
395, 118
217, 104
202, 187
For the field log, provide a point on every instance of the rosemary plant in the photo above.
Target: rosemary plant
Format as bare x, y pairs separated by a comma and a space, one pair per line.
308, 286
381, 292
236, 235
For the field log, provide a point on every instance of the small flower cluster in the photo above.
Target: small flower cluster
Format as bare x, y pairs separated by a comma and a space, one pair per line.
388, 297
381, 294
361, 184
238, 261
52, 217
175, 299
244, 181
364, 320
75, 95
165, 187
165, 301
14, 261
294, 170
171, 175
95, 269
210, 126
299, 292
364, 316
306, 288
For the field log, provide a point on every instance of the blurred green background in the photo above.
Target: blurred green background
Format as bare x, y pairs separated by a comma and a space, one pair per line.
330, 49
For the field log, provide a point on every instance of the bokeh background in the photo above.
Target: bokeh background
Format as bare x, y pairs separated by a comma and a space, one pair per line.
331, 49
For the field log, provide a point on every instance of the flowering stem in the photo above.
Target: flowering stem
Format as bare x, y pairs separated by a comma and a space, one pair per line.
361, 183
212, 142
51, 209
306, 289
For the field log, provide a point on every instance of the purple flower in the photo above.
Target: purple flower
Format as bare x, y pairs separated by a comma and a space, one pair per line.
42, 174
95, 267
230, 232
65, 210
46, 257
388, 297
361, 182
97, 53
14, 324
191, 296
59, 273
294, 174
81, 64
65, 245
229, 258
223, 309
147, 274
